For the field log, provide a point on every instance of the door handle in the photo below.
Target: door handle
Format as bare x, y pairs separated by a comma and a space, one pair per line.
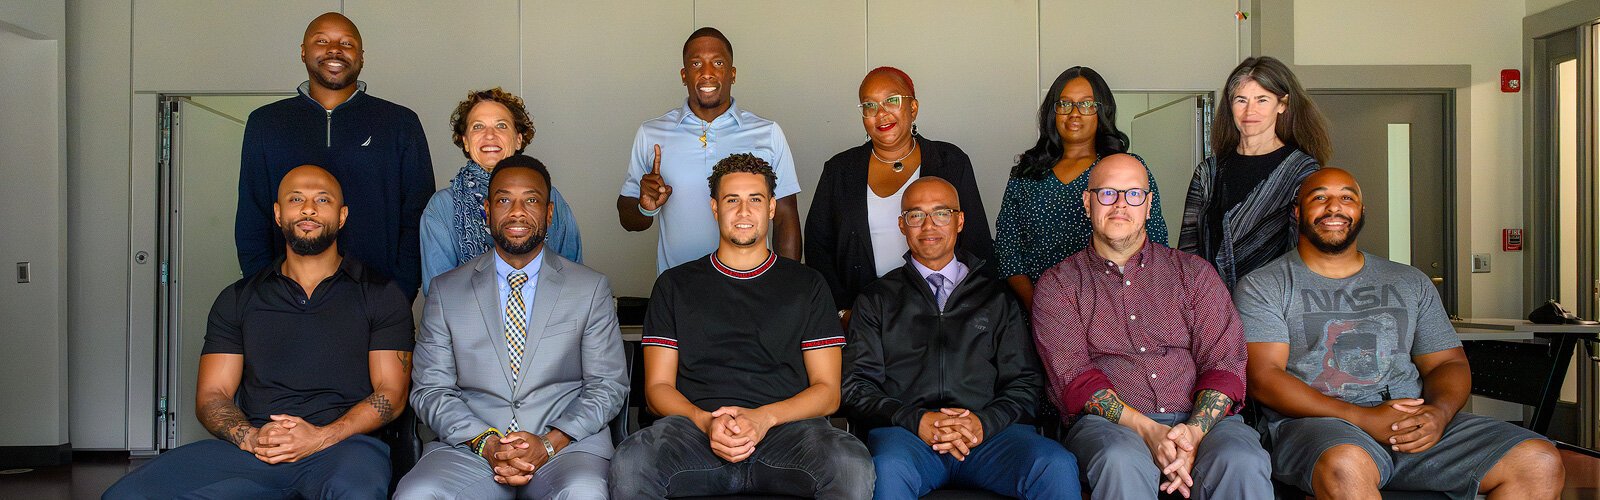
1437, 280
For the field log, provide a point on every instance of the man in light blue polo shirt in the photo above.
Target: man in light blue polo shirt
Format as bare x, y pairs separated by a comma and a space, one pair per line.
678, 149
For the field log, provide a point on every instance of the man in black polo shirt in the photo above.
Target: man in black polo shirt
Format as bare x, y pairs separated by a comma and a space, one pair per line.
301, 360
742, 357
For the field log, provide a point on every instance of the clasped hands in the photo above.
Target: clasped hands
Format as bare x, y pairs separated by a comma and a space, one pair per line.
735, 431
286, 438
1404, 425
515, 456
1173, 449
955, 431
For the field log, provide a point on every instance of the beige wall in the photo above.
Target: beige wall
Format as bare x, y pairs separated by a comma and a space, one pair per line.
1485, 34
34, 362
592, 71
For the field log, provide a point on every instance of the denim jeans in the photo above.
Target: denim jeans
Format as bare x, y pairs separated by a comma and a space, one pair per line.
1016, 462
808, 458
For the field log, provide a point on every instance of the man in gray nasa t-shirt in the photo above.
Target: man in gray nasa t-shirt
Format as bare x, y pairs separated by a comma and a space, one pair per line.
1362, 376
1351, 339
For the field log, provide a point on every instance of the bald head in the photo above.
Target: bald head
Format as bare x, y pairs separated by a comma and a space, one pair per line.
1123, 169
1330, 212
310, 179
332, 20
310, 210
934, 188
332, 53
1329, 178
935, 208
1119, 226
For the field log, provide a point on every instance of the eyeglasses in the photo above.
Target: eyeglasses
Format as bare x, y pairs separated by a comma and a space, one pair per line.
1108, 196
890, 104
941, 217
1086, 108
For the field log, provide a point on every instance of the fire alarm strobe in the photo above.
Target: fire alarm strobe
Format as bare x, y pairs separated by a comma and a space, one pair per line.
1511, 240
1510, 80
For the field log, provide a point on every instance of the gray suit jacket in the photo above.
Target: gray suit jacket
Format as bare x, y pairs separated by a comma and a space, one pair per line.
573, 376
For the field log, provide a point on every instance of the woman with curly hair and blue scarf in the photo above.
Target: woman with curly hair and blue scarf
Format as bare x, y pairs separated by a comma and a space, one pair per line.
490, 125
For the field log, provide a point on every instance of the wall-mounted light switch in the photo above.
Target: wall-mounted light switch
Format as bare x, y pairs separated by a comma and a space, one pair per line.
23, 274
1480, 263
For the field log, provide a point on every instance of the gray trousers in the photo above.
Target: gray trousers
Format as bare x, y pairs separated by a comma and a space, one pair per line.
1229, 463
454, 472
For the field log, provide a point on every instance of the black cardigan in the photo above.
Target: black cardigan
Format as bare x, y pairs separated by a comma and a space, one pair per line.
838, 240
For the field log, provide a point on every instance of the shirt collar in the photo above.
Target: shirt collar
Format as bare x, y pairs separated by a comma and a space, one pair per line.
503, 269
772, 258
1140, 258
690, 118
348, 267
952, 272
361, 88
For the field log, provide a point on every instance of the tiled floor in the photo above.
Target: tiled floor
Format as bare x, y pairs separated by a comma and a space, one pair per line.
92, 472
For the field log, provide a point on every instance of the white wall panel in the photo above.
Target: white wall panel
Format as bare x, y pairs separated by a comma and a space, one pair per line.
592, 73
466, 47
975, 65
199, 45
1187, 45
818, 43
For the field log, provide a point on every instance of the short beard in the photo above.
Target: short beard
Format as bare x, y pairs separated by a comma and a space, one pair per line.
513, 248
745, 243
1328, 247
310, 246
347, 79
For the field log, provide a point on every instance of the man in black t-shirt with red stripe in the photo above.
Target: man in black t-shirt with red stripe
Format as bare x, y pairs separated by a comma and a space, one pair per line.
742, 356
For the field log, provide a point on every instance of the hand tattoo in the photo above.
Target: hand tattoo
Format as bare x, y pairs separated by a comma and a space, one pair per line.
381, 403
224, 420
1105, 403
1210, 407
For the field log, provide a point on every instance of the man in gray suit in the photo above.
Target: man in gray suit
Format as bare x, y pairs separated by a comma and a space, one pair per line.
519, 366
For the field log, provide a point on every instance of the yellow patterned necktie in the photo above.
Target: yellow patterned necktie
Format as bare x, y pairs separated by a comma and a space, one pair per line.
516, 327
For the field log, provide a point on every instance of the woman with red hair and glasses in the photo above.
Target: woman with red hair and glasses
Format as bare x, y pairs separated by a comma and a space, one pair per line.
852, 235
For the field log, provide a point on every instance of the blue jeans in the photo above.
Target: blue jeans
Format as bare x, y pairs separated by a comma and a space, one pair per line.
806, 458
357, 467
1016, 462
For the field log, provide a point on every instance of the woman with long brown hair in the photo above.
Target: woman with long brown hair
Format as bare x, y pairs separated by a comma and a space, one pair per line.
1266, 137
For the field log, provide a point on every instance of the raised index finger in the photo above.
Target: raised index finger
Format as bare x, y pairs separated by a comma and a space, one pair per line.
655, 165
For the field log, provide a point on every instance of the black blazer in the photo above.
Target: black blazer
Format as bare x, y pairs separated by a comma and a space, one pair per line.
838, 240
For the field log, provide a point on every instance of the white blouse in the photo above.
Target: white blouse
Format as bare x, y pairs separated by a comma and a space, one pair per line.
888, 245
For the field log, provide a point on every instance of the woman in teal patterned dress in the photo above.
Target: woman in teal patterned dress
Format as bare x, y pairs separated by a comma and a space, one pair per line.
1042, 220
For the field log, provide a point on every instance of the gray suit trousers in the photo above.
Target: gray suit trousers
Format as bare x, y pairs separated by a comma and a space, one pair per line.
454, 472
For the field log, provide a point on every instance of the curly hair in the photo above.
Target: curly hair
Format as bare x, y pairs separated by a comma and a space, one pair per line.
458, 118
742, 163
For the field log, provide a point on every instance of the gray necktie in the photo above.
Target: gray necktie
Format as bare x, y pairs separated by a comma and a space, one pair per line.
938, 281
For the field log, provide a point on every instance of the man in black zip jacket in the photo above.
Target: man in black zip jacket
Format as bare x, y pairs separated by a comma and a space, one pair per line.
942, 367
375, 147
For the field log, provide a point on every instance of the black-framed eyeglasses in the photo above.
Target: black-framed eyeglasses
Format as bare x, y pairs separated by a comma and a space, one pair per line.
890, 104
1108, 196
1087, 108
940, 217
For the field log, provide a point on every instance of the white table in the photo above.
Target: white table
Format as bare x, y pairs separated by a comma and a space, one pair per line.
1564, 338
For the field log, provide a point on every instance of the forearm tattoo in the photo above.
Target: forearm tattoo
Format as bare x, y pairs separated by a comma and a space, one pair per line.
1105, 403
381, 403
1210, 407
224, 420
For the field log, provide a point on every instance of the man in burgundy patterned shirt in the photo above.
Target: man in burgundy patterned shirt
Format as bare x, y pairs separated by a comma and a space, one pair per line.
1144, 350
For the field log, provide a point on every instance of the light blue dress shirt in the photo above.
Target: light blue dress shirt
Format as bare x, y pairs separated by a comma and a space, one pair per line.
440, 252
503, 270
688, 228
953, 273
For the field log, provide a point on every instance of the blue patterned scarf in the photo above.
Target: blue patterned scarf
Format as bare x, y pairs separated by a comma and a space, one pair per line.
469, 222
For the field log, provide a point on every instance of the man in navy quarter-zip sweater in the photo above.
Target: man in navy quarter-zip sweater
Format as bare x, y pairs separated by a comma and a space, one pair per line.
375, 148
